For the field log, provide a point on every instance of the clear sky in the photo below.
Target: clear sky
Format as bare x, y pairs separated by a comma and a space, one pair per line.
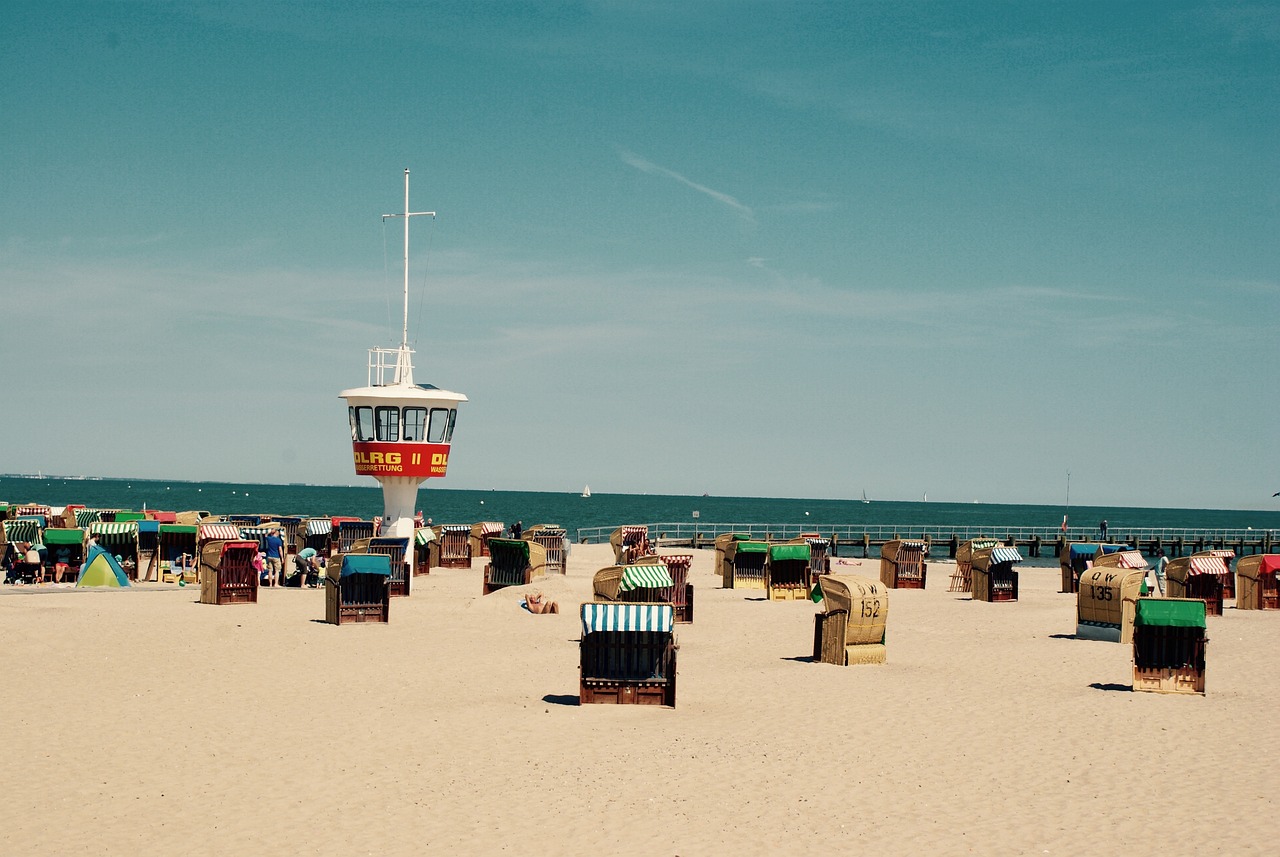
798, 249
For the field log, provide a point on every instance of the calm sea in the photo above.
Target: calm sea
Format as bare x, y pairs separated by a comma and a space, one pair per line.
571, 511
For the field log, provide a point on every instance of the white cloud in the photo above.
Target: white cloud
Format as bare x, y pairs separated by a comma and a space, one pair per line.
646, 166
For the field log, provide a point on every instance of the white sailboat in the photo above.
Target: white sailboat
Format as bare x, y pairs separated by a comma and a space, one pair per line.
586, 490
864, 496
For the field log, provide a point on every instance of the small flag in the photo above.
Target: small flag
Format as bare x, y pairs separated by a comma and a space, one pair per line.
816, 594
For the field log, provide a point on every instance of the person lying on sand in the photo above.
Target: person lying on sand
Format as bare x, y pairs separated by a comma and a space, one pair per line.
536, 602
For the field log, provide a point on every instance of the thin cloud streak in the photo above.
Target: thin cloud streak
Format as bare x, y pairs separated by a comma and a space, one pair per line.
646, 166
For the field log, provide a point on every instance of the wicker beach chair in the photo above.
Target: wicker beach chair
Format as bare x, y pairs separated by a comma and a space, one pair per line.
395, 550
346, 531
481, 532
1169, 645
1257, 587
903, 563
356, 589
1229, 581
226, 571
745, 565
423, 538
123, 539
787, 574
553, 539
961, 579
627, 654
1108, 597
1198, 577
639, 582
629, 543
454, 545
513, 562
851, 627
993, 576
176, 541
722, 543
1077, 556
681, 589
67, 547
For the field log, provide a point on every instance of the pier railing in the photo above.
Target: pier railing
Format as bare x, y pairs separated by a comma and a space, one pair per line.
1174, 540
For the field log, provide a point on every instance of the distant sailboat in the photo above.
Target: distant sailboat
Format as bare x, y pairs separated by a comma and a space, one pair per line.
586, 490
864, 496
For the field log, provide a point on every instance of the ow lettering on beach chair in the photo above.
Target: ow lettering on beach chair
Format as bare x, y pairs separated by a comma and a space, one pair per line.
394, 549
513, 562
355, 589
629, 543
481, 533
786, 572
902, 563
1169, 645
552, 538
1078, 556
226, 571
851, 627
1198, 577
745, 563
1256, 582
1229, 580
993, 576
722, 545
455, 545
423, 539
627, 654
962, 577
1108, 597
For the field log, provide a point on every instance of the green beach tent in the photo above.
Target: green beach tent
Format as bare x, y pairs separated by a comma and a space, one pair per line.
101, 569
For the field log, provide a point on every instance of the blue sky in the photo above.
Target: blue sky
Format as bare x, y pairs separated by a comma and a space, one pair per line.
745, 248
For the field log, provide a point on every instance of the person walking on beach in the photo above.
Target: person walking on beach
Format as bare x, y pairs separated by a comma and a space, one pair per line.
275, 557
1103, 529
1161, 562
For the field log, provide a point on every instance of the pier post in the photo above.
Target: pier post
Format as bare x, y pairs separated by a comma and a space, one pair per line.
953, 546
834, 542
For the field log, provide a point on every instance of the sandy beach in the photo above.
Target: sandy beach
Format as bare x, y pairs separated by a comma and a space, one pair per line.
140, 721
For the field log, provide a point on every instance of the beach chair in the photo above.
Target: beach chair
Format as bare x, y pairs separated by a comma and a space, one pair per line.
174, 543
636, 583
745, 565
902, 563
1198, 577
629, 543
67, 547
356, 589
481, 533
993, 576
226, 571
513, 562
722, 543
553, 540
316, 533
1256, 582
423, 538
681, 589
851, 627
346, 531
961, 579
394, 549
627, 654
1229, 581
1169, 645
819, 555
122, 538
455, 545
1108, 597
1078, 556
786, 572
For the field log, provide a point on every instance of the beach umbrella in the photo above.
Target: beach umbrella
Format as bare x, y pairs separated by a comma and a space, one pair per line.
101, 569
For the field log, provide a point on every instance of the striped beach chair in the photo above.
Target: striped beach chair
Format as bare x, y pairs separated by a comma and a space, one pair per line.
1198, 577
481, 533
629, 543
961, 578
627, 654
455, 545
993, 576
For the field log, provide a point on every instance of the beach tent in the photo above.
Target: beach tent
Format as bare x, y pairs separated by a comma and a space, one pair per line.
101, 569
120, 538
851, 627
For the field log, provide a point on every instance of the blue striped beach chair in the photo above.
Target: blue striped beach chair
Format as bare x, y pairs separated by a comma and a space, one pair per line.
627, 654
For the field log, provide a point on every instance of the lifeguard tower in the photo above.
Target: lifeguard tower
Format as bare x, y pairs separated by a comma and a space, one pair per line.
400, 431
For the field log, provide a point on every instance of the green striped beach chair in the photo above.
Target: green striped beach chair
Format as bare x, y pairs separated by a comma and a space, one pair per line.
627, 654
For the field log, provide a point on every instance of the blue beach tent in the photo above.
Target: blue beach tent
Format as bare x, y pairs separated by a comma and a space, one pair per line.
101, 569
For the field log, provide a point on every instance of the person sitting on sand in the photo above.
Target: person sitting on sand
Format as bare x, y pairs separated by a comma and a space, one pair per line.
536, 602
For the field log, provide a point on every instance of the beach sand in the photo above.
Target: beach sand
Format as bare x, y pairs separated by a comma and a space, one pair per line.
140, 721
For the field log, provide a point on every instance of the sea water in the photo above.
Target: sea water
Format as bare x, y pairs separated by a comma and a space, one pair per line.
569, 510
